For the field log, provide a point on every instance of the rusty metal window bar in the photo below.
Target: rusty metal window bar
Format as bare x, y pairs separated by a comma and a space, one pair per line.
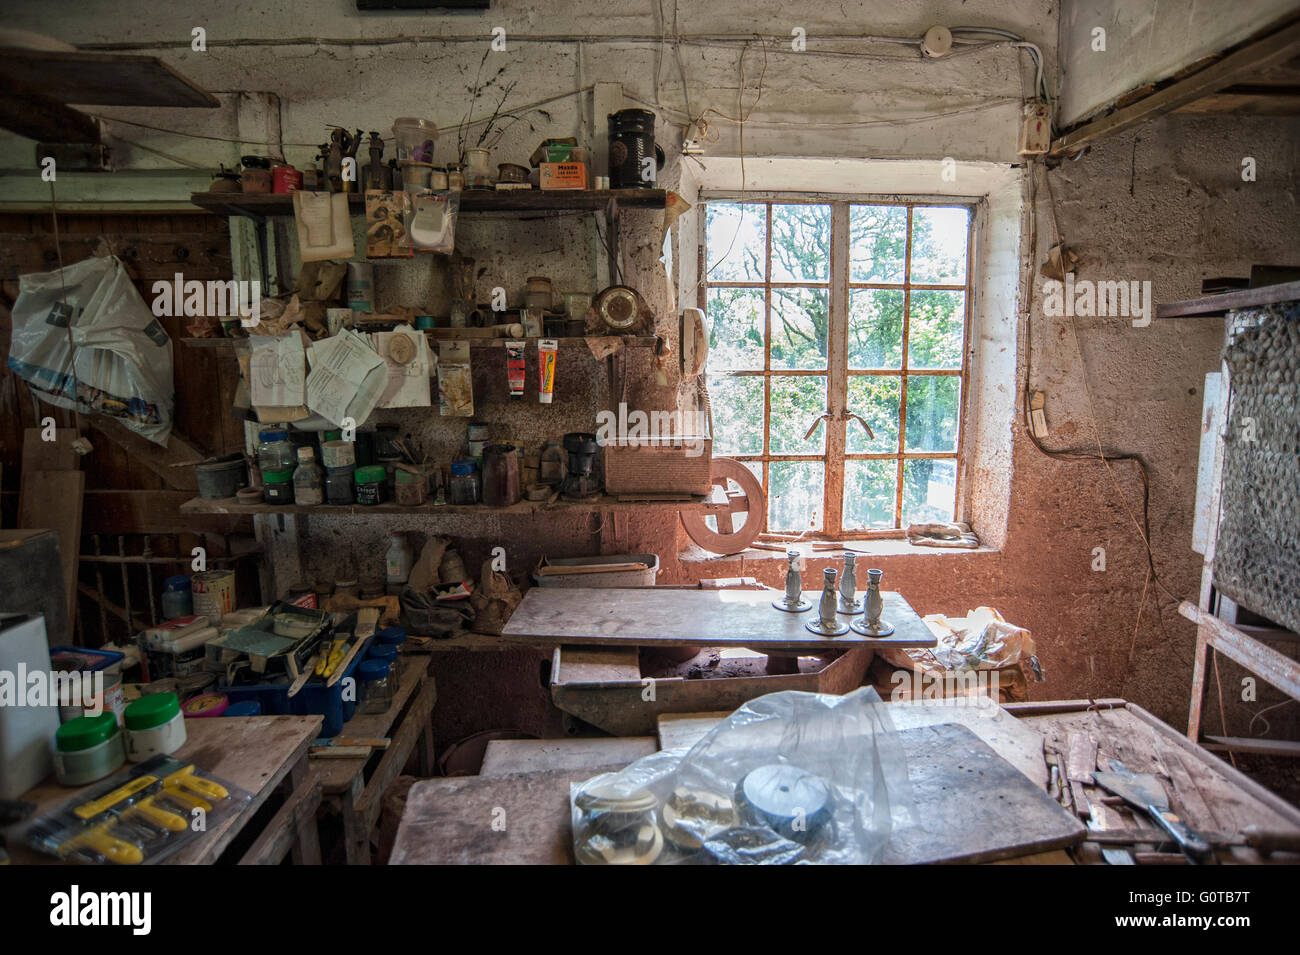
840, 355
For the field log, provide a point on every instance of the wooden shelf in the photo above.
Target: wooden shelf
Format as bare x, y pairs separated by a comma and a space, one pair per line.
605, 502
1211, 305
227, 345
260, 205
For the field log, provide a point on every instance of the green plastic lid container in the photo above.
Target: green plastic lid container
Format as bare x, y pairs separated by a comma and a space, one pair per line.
371, 474
85, 732
278, 477
152, 710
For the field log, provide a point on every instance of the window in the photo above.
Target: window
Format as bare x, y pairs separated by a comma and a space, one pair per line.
829, 318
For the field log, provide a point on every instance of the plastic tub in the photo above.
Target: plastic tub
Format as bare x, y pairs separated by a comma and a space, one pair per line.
415, 139
88, 748
314, 699
154, 724
617, 578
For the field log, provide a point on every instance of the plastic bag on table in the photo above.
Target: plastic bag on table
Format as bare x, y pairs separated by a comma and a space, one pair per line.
790, 777
121, 355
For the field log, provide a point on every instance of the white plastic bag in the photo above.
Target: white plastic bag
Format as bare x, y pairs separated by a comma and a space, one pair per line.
122, 355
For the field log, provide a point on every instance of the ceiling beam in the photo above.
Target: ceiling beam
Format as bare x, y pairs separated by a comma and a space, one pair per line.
1261, 54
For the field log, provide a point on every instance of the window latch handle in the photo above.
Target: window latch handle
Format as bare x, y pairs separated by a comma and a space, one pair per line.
816, 421
849, 414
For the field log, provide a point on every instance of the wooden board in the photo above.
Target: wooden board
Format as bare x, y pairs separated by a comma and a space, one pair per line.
101, 79
505, 757
53, 499
653, 616
254, 753
56, 455
449, 821
974, 806
535, 200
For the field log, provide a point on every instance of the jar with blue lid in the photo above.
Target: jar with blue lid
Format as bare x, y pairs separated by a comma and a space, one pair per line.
389, 654
376, 686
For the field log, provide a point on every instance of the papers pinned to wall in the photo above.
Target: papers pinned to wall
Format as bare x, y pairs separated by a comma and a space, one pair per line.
347, 378
409, 363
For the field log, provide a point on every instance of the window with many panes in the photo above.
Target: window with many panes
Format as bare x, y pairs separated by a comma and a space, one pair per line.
831, 318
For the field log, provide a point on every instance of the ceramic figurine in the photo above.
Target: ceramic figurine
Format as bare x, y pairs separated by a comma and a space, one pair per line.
827, 624
793, 601
849, 602
872, 625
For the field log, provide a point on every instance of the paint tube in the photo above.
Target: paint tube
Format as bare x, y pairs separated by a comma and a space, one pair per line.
515, 369
546, 349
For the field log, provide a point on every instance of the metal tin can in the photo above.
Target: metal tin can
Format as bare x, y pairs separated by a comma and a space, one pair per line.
285, 179
214, 592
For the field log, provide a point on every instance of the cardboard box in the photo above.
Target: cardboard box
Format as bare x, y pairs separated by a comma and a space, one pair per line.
564, 175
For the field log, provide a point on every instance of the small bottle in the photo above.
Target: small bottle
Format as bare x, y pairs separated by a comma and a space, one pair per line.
398, 561
308, 480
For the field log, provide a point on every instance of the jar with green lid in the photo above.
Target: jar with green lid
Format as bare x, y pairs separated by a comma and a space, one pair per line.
369, 481
277, 486
154, 724
88, 748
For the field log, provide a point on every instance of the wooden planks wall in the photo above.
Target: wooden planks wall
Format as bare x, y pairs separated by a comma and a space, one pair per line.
152, 247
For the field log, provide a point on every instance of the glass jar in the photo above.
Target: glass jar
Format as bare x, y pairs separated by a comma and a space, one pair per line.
338, 485
277, 486
369, 482
308, 481
412, 485
463, 487
274, 452
376, 687
389, 655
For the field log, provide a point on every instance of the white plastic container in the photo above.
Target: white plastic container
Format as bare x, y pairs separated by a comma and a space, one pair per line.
398, 560
87, 748
154, 724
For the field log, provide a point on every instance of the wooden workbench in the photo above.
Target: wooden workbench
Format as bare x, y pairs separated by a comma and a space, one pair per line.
449, 820
667, 616
347, 787
256, 753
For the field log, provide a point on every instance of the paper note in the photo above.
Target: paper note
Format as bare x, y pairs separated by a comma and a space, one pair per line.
347, 378
277, 370
408, 383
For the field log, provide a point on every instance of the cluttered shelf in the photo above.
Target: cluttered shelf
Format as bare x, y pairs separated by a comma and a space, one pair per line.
257, 205
603, 502
474, 337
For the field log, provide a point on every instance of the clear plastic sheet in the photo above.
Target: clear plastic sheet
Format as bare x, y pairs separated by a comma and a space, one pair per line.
789, 778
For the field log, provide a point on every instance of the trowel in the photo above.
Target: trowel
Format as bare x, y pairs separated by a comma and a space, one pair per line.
1145, 792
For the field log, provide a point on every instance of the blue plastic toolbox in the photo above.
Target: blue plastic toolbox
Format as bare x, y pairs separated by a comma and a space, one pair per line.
314, 699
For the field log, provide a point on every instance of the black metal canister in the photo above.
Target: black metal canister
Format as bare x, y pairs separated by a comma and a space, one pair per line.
634, 160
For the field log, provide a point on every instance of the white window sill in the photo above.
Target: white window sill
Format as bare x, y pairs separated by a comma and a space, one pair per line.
885, 547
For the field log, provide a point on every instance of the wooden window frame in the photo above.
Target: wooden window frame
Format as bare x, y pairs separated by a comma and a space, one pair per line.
840, 288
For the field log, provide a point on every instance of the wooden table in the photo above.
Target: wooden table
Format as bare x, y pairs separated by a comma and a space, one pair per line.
256, 753
356, 795
667, 616
450, 820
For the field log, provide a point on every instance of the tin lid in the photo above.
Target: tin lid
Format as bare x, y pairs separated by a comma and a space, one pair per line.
85, 732
370, 474
152, 710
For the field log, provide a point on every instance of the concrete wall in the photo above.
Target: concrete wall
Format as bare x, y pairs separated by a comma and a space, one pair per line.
1145, 41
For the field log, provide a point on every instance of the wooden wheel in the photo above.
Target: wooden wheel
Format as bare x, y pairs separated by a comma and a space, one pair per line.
749, 500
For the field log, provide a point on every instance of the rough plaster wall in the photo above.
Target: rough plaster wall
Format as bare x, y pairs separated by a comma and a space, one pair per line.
965, 106
1164, 204
1146, 40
